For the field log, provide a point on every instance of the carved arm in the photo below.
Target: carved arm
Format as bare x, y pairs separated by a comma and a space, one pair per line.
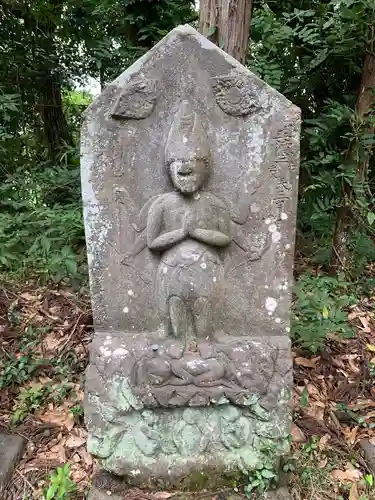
156, 241
167, 240
218, 238
215, 238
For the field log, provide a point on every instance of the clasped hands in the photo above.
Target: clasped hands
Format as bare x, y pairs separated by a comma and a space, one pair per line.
189, 225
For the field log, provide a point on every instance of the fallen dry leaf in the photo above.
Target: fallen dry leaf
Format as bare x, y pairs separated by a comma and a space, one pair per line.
336, 338
351, 358
59, 416
350, 474
316, 412
370, 347
323, 442
313, 391
350, 434
86, 457
307, 363
75, 441
162, 495
27, 296
323, 463
365, 324
81, 432
59, 450
297, 435
353, 494
78, 474
51, 342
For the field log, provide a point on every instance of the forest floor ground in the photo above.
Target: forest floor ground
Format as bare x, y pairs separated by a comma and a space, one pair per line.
44, 338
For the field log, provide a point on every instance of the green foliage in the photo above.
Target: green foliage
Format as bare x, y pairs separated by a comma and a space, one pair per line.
19, 367
60, 484
320, 309
311, 445
355, 415
47, 50
35, 394
314, 53
77, 410
261, 480
28, 400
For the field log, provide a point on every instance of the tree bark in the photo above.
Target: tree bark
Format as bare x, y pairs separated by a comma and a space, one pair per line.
227, 23
46, 82
56, 128
345, 221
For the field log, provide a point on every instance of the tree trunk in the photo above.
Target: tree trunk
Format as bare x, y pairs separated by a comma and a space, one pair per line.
345, 221
56, 129
227, 23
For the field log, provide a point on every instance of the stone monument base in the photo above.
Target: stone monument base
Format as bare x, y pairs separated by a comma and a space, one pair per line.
160, 414
105, 486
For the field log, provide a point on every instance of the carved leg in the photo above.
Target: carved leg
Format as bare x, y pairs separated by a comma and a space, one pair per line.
203, 317
167, 326
178, 317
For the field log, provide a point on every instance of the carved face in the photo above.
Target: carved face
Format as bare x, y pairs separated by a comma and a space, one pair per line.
188, 175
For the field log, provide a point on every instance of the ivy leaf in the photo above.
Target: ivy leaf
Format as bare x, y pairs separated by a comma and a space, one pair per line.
325, 312
369, 479
211, 31
268, 474
71, 266
371, 218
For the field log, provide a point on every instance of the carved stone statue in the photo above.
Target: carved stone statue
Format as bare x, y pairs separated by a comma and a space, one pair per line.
188, 228
189, 182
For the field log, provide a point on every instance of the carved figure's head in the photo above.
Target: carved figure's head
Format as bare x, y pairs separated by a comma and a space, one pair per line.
188, 175
187, 151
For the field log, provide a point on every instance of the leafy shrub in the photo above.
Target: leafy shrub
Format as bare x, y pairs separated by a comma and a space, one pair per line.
60, 484
320, 309
39, 237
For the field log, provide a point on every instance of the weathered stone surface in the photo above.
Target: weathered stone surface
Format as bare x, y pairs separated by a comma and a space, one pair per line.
137, 100
369, 454
236, 94
279, 494
160, 374
146, 443
11, 450
189, 177
100, 494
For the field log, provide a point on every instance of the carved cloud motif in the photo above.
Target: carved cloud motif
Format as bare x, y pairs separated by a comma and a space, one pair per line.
136, 101
234, 96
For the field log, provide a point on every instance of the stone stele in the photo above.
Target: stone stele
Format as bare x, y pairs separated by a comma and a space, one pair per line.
189, 180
